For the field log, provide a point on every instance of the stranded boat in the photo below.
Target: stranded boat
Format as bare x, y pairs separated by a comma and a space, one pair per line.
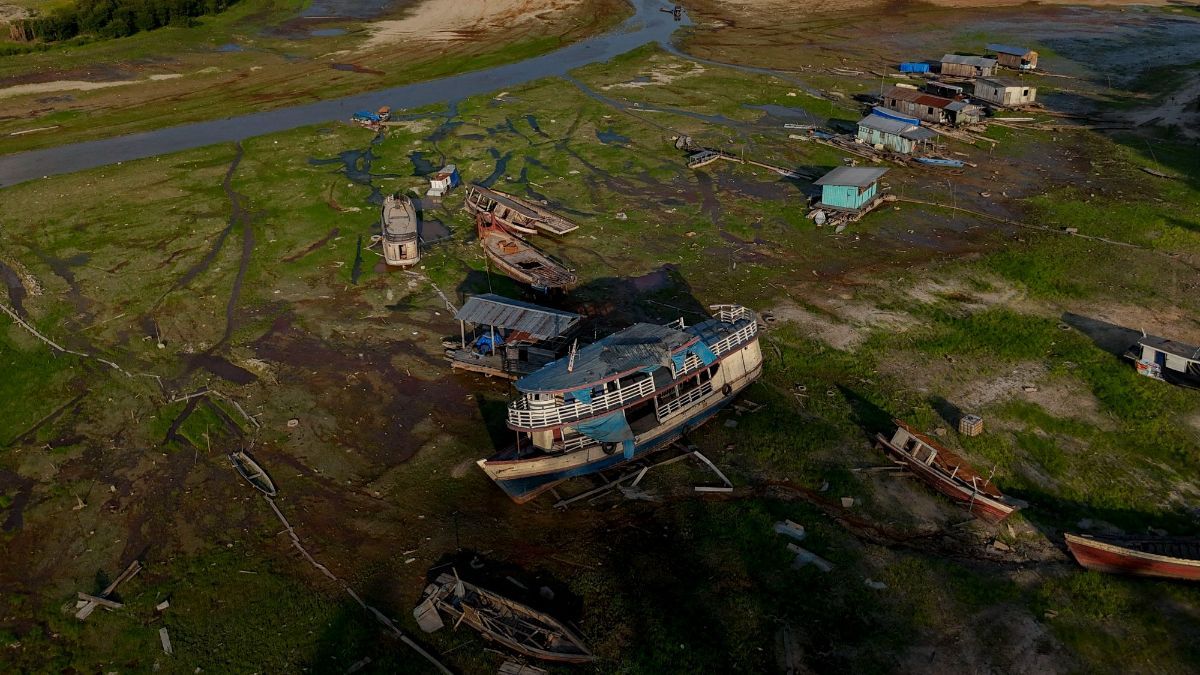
946, 472
399, 224
516, 626
508, 338
1167, 360
519, 259
1144, 556
253, 473
622, 397
519, 215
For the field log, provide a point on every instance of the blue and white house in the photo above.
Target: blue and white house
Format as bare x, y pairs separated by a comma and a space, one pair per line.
849, 188
626, 395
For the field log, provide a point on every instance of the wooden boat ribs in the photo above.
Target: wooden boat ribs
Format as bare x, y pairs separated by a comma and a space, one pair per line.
519, 259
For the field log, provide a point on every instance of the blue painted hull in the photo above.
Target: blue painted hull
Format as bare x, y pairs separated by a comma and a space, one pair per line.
524, 489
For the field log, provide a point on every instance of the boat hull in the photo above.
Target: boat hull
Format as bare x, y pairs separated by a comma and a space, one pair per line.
977, 503
1112, 558
524, 479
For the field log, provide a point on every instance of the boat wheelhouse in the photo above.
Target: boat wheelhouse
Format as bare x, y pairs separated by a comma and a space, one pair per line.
626, 395
508, 338
399, 225
1167, 360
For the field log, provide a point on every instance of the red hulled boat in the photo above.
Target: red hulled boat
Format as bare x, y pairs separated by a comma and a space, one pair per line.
946, 472
1171, 558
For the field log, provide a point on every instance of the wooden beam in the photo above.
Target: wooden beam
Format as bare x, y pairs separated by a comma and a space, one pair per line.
103, 602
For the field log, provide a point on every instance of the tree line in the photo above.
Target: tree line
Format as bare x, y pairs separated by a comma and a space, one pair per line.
116, 18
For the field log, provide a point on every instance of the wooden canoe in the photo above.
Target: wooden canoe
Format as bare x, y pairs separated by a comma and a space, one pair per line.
1166, 557
520, 215
523, 629
253, 473
519, 259
946, 472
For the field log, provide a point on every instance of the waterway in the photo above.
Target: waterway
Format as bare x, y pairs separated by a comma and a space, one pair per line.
647, 25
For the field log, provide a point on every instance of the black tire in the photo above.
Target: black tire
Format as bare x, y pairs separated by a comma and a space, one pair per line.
727, 389
608, 448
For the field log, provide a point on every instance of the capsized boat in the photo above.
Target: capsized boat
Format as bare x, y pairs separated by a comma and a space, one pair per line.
398, 222
946, 472
519, 215
519, 259
1168, 557
253, 473
622, 397
516, 626
941, 161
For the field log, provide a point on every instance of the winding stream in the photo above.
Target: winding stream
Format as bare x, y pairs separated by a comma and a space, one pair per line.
647, 25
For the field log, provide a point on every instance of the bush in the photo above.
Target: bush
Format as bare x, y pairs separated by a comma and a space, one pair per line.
119, 18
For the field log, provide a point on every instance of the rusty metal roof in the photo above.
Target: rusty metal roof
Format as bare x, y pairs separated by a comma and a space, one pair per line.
917, 96
495, 310
978, 61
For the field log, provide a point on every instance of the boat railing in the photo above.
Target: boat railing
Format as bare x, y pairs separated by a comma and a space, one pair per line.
399, 238
523, 415
572, 444
731, 313
719, 348
685, 400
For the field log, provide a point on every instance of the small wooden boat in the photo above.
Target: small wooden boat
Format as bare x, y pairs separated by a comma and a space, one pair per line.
519, 215
1171, 558
946, 472
516, 626
941, 161
519, 259
253, 473
398, 222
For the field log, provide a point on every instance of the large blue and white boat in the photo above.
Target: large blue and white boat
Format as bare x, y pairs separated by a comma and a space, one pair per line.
622, 397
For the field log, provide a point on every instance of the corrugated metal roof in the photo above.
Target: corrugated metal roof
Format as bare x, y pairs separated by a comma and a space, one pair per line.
979, 61
1003, 82
1171, 347
1008, 49
856, 176
918, 97
896, 127
495, 310
642, 345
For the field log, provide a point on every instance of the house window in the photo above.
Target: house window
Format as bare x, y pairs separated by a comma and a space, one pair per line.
1025, 93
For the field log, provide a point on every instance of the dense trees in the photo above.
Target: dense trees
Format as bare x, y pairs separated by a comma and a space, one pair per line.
118, 18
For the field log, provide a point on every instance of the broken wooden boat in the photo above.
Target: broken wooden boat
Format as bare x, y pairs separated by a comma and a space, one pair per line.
946, 472
253, 473
1167, 360
508, 338
1165, 557
398, 223
519, 259
520, 628
519, 215
623, 397
941, 161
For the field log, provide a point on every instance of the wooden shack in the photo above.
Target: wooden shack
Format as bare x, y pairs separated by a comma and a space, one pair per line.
508, 338
1017, 58
1167, 360
849, 188
929, 108
957, 65
894, 132
1004, 92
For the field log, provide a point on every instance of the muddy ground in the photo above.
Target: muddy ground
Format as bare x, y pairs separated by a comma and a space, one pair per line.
247, 272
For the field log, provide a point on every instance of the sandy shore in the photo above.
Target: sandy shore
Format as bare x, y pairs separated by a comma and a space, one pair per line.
462, 20
766, 11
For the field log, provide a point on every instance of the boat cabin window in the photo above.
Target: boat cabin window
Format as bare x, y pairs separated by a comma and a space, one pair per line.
911, 444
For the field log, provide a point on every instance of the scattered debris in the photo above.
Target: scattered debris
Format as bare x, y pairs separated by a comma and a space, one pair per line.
1001, 546
728, 484
847, 502
166, 641
293, 423
518, 668
162, 606
791, 529
92, 602
970, 425
731, 423
876, 585
806, 557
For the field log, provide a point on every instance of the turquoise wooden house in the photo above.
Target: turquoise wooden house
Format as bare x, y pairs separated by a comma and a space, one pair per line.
849, 188
888, 129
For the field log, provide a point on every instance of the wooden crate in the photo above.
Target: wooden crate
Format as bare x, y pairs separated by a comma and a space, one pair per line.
970, 425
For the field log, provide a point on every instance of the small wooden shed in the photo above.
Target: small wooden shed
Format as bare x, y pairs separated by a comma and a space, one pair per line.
1017, 58
1004, 92
958, 65
849, 188
929, 108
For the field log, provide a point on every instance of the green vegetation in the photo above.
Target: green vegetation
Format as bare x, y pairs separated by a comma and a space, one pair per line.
116, 19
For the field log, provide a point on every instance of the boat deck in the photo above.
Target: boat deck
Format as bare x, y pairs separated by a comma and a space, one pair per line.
526, 263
